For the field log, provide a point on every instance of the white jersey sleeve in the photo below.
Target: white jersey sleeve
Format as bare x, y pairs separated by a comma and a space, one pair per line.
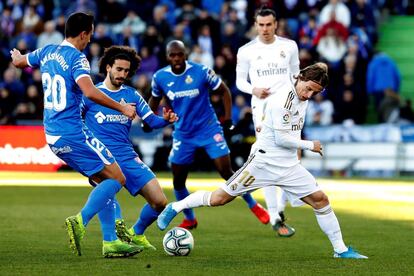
242, 72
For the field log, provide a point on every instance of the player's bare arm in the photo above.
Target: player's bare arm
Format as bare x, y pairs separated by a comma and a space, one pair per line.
154, 102
91, 92
225, 92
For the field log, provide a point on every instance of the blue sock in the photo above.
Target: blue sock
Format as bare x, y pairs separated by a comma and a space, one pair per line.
249, 200
107, 218
99, 198
181, 194
147, 216
118, 214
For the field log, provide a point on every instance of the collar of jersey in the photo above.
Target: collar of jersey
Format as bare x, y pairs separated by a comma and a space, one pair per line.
187, 67
67, 43
103, 85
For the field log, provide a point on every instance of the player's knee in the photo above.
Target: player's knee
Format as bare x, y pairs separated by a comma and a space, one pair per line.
159, 204
321, 201
120, 178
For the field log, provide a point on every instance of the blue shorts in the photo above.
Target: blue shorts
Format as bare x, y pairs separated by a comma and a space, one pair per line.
183, 150
84, 153
137, 174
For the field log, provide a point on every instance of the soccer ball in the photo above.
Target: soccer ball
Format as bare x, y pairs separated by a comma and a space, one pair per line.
178, 242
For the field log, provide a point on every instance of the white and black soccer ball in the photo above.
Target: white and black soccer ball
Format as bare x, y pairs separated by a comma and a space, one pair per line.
178, 242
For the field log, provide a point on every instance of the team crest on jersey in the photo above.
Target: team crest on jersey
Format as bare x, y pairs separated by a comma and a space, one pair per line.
282, 54
188, 79
218, 138
108, 152
286, 119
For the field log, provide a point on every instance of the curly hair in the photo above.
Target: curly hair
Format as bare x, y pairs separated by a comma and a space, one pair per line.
317, 72
120, 52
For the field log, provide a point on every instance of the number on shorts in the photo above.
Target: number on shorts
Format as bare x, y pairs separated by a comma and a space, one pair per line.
55, 92
246, 179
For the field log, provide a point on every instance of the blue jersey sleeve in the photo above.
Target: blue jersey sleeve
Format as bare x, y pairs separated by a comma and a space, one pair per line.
156, 89
155, 121
80, 67
211, 78
145, 112
33, 58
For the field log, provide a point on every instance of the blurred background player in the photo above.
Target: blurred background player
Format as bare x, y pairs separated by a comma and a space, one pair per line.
112, 128
186, 87
65, 77
275, 161
268, 62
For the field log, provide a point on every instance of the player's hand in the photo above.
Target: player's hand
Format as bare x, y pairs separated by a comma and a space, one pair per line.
129, 110
317, 147
169, 115
145, 127
15, 56
261, 93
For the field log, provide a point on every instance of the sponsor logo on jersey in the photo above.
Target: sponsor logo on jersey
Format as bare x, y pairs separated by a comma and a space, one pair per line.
298, 126
61, 150
111, 118
100, 117
185, 93
218, 138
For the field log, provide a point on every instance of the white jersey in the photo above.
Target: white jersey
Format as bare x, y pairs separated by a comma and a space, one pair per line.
266, 66
284, 112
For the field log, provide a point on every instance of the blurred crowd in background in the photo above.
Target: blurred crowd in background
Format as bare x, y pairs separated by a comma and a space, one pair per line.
343, 33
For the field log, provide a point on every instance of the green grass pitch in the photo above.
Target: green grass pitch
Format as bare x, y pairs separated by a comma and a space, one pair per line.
377, 218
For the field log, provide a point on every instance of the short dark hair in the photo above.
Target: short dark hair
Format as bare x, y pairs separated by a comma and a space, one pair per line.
264, 11
120, 52
78, 22
317, 72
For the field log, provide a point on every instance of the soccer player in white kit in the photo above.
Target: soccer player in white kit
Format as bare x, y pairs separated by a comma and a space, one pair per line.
264, 66
275, 161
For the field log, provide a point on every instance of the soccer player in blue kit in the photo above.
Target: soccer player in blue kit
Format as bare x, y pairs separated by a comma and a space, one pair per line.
186, 87
112, 128
65, 77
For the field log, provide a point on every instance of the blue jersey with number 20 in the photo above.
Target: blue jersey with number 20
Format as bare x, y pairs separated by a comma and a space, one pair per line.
61, 66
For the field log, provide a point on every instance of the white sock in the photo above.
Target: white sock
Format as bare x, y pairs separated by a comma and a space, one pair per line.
330, 226
270, 195
283, 199
193, 200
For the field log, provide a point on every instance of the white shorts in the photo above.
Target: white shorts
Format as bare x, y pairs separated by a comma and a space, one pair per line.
296, 181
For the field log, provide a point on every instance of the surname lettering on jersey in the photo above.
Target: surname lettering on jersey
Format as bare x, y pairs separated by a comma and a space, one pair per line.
271, 72
55, 56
